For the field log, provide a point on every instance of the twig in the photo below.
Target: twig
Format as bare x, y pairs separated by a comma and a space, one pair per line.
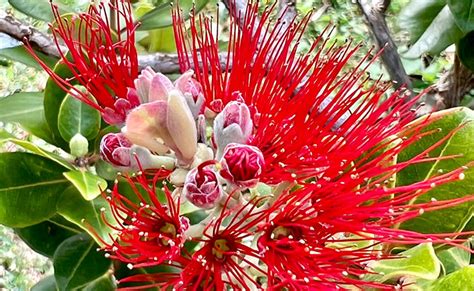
375, 17
454, 84
18, 30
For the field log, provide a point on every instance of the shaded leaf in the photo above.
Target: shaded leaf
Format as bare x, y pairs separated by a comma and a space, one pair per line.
89, 185
46, 284
440, 34
461, 142
35, 149
454, 258
53, 97
20, 54
465, 50
86, 214
160, 16
463, 11
417, 16
45, 237
76, 262
27, 109
29, 188
41, 9
77, 117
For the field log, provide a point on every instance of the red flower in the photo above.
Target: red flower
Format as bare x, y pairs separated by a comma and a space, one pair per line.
226, 254
99, 58
305, 113
325, 234
148, 232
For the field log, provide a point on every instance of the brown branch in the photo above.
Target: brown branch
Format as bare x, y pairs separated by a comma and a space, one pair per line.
454, 84
374, 15
18, 30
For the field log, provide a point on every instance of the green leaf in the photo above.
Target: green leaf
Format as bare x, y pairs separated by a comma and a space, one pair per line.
76, 262
160, 16
461, 280
89, 185
440, 34
35, 149
29, 188
86, 214
27, 109
104, 283
454, 258
417, 16
461, 142
463, 11
41, 9
465, 50
46, 284
418, 262
53, 97
77, 117
45, 237
20, 54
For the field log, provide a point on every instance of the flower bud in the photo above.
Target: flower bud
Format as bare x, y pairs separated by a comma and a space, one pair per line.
192, 92
152, 86
233, 125
79, 145
202, 187
242, 165
115, 149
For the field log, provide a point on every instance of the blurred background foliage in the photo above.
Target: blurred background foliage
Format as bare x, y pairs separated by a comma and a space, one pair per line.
435, 40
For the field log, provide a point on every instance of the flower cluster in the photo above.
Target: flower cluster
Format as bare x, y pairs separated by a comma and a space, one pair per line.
288, 159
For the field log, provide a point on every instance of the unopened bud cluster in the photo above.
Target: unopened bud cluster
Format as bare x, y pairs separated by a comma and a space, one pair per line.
170, 124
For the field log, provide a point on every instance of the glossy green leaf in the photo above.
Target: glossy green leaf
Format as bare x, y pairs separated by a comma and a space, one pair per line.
417, 16
459, 143
465, 50
89, 185
86, 214
53, 97
440, 34
463, 11
36, 150
27, 109
77, 117
418, 262
454, 258
41, 9
46, 284
461, 280
20, 54
104, 283
45, 237
76, 262
30, 186
160, 16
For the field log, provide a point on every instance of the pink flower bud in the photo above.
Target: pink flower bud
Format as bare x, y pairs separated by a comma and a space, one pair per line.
115, 149
192, 92
242, 164
233, 125
202, 187
152, 86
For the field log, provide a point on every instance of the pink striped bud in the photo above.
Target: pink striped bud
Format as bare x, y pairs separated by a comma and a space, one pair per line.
202, 187
115, 149
242, 165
